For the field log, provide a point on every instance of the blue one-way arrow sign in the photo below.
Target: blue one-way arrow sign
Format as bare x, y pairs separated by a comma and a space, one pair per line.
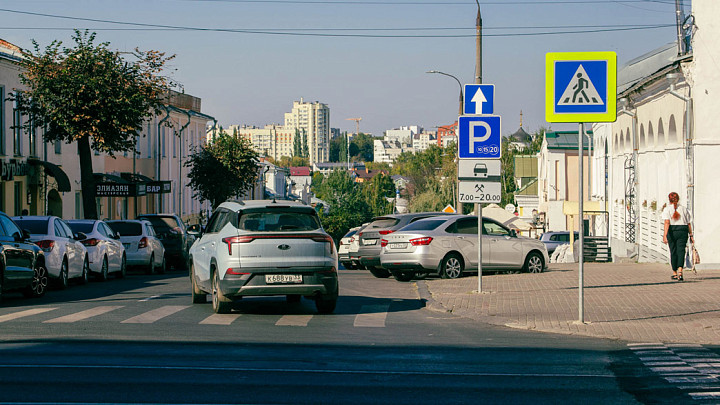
479, 99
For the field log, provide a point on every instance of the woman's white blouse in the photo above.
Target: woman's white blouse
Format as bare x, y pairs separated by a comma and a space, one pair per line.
685, 217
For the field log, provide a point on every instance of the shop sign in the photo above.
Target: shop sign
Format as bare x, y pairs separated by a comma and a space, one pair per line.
12, 167
159, 187
117, 190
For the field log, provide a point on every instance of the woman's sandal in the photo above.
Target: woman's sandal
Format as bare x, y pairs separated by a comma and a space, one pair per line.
680, 277
674, 277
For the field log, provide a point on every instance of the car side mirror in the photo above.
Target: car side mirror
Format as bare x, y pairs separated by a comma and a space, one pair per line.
195, 230
25, 234
513, 233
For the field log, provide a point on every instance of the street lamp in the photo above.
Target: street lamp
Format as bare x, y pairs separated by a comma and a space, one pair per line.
460, 109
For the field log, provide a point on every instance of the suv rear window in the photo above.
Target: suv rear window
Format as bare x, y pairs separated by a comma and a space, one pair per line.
162, 225
383, 223
127, 228
273, 221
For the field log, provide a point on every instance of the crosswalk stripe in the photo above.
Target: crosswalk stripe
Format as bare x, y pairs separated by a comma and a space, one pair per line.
371, 316
294, 320
156, 314
22, 314
82, 315
220, 319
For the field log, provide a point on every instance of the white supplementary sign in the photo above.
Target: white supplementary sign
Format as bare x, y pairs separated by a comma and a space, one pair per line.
478, 192
483, 170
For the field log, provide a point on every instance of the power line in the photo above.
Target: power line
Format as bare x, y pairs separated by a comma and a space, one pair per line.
429, 3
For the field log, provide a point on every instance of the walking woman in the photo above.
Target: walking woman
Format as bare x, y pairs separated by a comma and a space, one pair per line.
677, 230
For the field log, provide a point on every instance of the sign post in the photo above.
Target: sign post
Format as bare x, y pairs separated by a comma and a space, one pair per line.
479, 151
581, 87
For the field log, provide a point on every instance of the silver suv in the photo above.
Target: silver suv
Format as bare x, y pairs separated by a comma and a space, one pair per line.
263, 248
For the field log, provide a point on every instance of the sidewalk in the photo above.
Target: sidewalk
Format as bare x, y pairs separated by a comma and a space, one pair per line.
631, 302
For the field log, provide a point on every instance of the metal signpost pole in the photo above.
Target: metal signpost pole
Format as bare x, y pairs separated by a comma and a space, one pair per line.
479, 245
581, 248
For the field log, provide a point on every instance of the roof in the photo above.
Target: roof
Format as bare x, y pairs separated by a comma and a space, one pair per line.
521, 136
370, 173
564, 140
300, 171
645, 65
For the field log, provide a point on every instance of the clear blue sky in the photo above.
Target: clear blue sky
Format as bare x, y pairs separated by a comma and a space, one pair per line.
253, 78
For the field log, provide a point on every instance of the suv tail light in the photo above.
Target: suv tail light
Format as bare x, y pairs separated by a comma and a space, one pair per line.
421, 241
385, 232
383, 242
90, 242
325, 238
46, 245
236, 239
143, 243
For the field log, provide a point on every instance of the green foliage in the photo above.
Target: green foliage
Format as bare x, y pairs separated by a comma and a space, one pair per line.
424, 167
225, 168
338, 149
92, 95
348, 207
377, 192
378, 166
295, 161
362, 148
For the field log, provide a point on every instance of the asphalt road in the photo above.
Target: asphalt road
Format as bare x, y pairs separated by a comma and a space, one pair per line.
140, 340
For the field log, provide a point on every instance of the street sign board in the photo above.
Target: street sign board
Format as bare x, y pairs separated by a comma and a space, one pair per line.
479, 137
482, 170
580, 87
479, 99
479, 192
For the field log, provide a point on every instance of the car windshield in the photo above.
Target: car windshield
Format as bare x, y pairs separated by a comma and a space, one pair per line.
383, 223
126, 228
161, 224
271, 221
84, 227
427, 225
34, 226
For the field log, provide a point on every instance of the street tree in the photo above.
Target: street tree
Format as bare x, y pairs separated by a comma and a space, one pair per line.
91, 95
348, 208
377, 192
224, 168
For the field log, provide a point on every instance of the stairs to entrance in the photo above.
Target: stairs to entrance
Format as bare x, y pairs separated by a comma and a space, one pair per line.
597, 249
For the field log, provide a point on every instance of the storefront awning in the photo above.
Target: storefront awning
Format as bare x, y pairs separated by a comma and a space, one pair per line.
51, 169
110, 185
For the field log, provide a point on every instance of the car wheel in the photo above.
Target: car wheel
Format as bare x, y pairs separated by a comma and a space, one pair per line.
123, 268
326, 305
452, 266
150, 269
85, 272
403, 276
293, 298
163, 267
534, 263
39, 283
198, 297
379, 272
103, 276
63, 280
221, 305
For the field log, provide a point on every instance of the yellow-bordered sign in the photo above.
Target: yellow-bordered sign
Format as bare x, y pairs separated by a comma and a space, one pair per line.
581, 86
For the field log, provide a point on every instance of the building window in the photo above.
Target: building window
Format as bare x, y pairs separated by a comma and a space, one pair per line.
174, 145
18, 197
2, 121
58, 147
17, 126
149, 140
78, 205
33, 140
162, 140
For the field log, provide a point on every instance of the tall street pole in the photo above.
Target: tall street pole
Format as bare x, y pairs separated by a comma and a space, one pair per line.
478, 80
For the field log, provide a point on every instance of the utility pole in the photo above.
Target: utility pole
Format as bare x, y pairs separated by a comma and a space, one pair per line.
478, 46
679, 19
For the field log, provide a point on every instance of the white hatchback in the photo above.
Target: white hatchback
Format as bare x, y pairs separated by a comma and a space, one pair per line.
65, 256
106, 252
142, 247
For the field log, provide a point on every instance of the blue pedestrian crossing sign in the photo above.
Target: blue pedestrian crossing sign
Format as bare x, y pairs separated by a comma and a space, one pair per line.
479, 137
479, 99
580, 86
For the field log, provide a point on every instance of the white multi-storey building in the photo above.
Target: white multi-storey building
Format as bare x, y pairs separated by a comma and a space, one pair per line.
312, 120
403, 135
272, 141
386, 151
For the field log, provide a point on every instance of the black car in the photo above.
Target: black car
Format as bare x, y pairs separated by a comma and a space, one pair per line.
172, 232
22, 263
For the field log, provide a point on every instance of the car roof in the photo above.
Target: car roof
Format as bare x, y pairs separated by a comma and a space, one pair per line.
237, 205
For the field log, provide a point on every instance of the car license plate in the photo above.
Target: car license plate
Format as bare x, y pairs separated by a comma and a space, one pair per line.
397, 245
368, 242
283, 279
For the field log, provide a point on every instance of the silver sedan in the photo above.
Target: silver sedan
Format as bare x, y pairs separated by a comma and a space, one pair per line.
448, 246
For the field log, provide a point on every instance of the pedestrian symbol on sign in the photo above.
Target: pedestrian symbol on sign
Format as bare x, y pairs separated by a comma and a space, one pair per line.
580, 90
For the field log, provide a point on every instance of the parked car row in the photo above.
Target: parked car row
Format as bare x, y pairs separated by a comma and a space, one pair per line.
414, 245
38, 251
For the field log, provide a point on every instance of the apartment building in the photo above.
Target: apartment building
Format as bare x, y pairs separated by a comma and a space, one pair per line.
273, 140
312, 122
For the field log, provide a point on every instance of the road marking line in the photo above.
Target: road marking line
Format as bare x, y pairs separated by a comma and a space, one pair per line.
79, 316
150, 298
371, 316
692, 379
704, 395
220, 319
294, 320
156, 314
27, 312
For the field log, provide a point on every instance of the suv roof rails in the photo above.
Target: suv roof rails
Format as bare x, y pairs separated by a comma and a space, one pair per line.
237, 201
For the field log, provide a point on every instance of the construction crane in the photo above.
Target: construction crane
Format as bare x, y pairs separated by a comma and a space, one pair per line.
357, 124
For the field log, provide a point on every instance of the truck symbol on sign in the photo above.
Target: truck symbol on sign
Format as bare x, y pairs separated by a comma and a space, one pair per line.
480, 170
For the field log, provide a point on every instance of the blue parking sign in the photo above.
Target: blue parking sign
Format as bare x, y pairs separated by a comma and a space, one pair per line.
479, 137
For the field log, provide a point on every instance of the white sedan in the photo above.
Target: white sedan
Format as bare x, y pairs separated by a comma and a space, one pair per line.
142, 246
65, 256
106, 252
